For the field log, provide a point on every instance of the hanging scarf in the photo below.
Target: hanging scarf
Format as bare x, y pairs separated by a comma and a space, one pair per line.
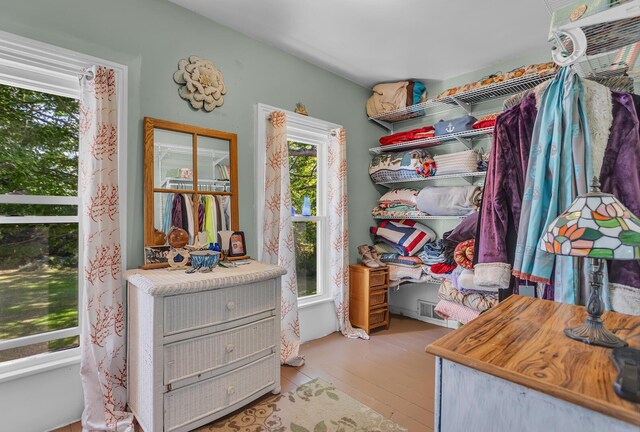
558, 170
176, 213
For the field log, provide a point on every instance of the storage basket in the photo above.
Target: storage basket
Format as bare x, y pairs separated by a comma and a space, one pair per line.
378, 316
377, 278
377, 298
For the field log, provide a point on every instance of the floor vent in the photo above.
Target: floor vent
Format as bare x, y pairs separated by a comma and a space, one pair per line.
427, 310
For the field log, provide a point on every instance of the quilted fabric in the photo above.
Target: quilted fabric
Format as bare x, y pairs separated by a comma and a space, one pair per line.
464, 254
396, 197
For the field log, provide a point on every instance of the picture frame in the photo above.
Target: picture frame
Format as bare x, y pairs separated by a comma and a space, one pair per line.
156, 254
237, 244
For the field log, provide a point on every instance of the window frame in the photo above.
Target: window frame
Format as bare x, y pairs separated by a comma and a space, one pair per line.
306, 130
46, 68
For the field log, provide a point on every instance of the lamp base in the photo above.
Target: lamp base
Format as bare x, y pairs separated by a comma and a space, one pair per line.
593, 332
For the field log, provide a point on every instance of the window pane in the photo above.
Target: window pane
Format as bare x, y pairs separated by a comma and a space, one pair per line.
38, 143
38, 278
303, 176
173, 159
306, 238
39, 348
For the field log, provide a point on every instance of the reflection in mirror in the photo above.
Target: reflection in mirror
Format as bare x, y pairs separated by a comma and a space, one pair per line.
214, 168
173, 160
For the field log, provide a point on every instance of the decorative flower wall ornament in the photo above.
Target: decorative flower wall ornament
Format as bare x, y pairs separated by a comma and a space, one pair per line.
201, 83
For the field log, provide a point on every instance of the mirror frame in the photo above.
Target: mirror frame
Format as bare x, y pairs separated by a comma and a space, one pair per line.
150, 125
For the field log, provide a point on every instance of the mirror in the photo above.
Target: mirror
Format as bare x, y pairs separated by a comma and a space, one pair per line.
191, 181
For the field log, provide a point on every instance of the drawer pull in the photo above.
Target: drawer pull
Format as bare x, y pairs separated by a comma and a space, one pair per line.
231, 305
230, 348
231, 390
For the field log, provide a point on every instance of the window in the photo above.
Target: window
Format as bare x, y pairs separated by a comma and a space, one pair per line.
308, 142
39, 225
309, 218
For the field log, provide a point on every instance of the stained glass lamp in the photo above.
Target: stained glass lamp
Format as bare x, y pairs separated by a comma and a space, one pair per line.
596, 226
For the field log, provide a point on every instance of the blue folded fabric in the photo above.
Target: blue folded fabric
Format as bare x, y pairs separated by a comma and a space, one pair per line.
459, 124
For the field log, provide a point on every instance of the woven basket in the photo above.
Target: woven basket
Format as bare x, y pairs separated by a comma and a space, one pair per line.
377, 298
377, 316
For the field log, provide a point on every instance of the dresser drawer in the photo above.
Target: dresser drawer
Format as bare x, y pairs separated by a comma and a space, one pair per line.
204, 354
193, 311
190, 403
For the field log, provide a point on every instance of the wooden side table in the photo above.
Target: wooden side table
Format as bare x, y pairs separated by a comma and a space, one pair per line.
368, 297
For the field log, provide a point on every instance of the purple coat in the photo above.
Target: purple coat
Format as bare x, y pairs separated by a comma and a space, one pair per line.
502, 199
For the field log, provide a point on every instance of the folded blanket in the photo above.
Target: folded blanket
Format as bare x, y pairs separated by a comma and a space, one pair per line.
399, 197
409, 235
397, 212
432, 252
465, 230
464, 283
398, 272
400, 260
454, 311
477, 302
448, 200
486, 121
414, 134
464, 254
387, 97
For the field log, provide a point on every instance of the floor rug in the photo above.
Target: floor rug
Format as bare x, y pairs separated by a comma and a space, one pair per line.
314, 407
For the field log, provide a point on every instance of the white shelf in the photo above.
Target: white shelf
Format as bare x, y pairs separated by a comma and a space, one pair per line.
466, 176
462, 137
463, 99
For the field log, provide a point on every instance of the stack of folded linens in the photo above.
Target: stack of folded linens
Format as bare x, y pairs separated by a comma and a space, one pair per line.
449, 200
457, 163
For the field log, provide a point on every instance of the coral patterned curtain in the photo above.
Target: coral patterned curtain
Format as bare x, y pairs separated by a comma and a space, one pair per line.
103, 366
339, 232
279, 245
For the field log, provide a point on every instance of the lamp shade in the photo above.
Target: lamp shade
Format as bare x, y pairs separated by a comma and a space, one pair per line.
596, 225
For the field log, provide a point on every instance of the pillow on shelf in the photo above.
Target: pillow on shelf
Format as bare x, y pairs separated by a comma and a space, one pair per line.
397, 165
486, 121
399, 197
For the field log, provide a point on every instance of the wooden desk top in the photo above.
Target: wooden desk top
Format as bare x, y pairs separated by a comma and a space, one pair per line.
521, 340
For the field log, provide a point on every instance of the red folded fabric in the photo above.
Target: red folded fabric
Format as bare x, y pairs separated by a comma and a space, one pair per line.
442, 268
486, 121
425, 132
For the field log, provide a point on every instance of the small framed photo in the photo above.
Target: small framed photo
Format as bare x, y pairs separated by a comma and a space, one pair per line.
156, 254
237, 246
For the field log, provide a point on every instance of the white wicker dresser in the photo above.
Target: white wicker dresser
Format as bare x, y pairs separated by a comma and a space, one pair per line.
201, 345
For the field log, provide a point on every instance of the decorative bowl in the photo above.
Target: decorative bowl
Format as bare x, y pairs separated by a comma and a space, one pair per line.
204, 259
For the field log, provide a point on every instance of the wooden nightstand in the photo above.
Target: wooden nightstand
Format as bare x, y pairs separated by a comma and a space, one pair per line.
368, 297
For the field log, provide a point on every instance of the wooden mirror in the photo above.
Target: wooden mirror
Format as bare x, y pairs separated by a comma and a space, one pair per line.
190, 180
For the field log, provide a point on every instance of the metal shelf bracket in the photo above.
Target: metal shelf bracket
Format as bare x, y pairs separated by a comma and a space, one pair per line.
387, 125
464, 105
465, 141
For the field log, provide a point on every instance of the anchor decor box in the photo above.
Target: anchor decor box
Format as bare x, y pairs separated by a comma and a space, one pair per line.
201, 345
459, 124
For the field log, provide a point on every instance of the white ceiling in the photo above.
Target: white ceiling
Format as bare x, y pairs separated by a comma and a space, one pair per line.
369, 41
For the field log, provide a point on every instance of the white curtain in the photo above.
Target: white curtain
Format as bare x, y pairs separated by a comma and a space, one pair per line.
103, 366
279, 245
338, 231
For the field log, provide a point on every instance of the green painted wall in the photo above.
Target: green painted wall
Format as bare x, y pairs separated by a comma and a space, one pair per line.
150, 36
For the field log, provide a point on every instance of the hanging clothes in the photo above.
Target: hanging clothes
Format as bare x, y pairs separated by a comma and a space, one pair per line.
183, 211
190, 218
559, 169
201, 214
176, 212
167, 215
210, 219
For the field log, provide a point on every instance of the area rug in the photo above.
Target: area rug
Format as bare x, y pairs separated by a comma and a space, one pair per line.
314, 407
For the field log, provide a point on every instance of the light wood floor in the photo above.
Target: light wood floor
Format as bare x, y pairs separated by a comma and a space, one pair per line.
390, 373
